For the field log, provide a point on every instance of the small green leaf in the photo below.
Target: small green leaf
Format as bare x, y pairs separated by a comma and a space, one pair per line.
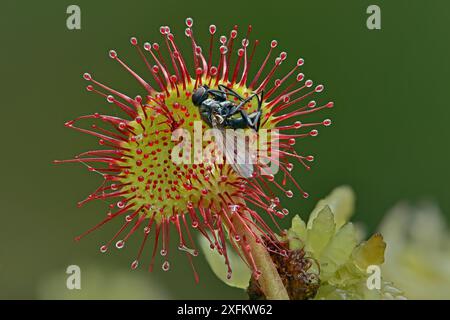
321, 231
341, 202
299, 227
370, 252
297, 233
241, 273
338, 250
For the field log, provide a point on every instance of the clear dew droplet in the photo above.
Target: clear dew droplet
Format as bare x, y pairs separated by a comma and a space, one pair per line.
271, 206
163, 252
120, 244
234, 207
103, 249
229, 274
289, 194
134, 264
87, 76
166, 266
192, 252
113, 54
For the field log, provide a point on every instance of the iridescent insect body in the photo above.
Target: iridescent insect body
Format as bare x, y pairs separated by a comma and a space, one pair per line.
221, 114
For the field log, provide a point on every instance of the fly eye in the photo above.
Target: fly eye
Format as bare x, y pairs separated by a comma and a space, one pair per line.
198, 96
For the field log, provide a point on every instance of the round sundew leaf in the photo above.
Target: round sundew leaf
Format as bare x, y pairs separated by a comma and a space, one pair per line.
241, 273
321, 231
341, 202
338, 250
167, 164
370, 252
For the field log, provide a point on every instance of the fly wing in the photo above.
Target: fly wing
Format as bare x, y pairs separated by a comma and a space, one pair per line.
234, 151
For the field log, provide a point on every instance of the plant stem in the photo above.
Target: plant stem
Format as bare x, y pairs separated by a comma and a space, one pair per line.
270, 280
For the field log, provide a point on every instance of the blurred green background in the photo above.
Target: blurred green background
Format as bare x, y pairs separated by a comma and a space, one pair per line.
389, 138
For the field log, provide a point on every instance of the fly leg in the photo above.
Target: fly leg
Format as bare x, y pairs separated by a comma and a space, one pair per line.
229, 91
218, 94
253, 120
235, 109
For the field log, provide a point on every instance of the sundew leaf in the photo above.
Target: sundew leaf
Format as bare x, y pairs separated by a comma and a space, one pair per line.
341, 202
321, 231
338, 250
241, 273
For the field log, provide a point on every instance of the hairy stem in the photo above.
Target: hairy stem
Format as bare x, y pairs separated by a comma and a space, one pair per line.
270, 280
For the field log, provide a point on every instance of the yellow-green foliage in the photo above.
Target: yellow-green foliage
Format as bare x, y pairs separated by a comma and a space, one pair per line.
334, 243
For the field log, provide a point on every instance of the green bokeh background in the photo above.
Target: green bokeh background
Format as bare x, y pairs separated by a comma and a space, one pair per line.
389, 138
